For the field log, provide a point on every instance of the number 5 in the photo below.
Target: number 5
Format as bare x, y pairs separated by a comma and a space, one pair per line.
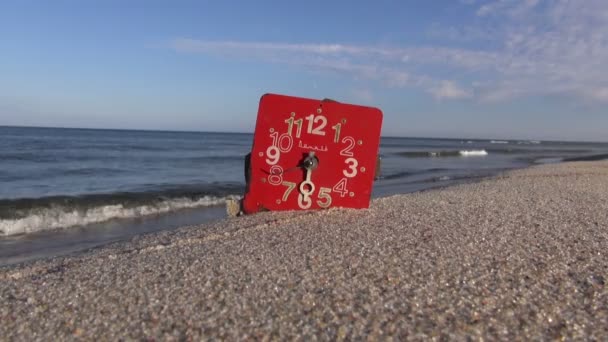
324, 194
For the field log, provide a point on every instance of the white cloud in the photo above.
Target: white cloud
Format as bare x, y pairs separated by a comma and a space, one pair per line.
601, 94
363, 95
539, 47
511, 7
449, 90
464, 34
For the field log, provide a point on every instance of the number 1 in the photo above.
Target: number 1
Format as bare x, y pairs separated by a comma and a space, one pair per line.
337, 127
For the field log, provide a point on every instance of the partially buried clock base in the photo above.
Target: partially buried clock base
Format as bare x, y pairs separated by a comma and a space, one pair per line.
234, 207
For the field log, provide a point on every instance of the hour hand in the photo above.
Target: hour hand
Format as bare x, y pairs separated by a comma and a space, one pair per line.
310, 162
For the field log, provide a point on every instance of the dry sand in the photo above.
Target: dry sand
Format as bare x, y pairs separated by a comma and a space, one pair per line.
519, 257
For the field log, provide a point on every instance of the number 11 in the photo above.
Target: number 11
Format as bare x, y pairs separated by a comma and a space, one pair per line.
290, 123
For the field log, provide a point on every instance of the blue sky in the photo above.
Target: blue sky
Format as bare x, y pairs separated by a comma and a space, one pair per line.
530, 69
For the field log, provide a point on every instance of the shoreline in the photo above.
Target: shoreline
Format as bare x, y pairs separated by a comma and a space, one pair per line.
210, 213
518, 255
17, 249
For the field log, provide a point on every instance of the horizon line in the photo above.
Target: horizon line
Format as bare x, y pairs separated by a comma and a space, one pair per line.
233, 132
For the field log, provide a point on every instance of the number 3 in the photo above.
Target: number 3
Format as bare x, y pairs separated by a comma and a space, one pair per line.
352, 165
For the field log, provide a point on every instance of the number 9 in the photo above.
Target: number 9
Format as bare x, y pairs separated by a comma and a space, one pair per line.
273, 154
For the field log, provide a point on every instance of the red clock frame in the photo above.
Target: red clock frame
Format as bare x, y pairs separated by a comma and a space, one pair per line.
311, 154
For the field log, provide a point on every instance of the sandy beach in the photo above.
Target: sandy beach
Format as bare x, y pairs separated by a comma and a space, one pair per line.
517, 257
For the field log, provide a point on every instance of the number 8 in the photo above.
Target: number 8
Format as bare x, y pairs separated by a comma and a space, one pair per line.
276, 175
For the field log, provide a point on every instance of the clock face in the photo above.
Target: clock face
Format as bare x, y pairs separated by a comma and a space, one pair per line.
312, 154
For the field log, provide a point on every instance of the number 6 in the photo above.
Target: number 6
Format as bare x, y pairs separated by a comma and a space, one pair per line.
304, 201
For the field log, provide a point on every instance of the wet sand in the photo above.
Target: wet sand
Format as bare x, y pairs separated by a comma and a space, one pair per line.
520, 256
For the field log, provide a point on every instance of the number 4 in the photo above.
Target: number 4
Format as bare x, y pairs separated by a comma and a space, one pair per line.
340, 187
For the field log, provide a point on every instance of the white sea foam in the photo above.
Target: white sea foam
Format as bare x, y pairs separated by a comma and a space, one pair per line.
499, 142
473, 153
60, 217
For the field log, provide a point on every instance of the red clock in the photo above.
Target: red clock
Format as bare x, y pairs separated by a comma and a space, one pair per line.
311, 154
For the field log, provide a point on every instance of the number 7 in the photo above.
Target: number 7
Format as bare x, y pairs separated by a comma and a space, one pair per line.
290, 186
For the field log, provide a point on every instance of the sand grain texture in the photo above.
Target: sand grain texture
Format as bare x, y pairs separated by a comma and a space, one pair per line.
522, 256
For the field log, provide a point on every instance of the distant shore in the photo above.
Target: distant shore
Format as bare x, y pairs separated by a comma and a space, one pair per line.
519, 256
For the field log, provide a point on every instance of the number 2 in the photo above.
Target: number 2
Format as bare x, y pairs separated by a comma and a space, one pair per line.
347, 150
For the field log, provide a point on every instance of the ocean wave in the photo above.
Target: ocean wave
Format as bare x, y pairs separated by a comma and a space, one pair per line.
403, 174
449, 153
483, 152
27, 215
474, 153
58, 215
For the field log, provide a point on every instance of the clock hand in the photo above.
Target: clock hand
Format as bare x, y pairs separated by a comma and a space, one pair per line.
310, 162
307, 187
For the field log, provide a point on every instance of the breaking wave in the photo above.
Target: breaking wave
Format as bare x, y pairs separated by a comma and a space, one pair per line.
452, 153
25, 216
473, 153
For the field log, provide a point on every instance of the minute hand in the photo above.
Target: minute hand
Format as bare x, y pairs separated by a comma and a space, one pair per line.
310, 163
309, 183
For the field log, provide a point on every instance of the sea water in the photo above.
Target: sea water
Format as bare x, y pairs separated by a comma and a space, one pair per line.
65, 190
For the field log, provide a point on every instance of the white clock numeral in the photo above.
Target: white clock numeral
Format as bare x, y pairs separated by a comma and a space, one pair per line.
290, 186
352, 165
340, 187
273, 154
276, 175
347, 150
315, 119
304, 201
324, 193
290, 123
337, 127
283, 142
